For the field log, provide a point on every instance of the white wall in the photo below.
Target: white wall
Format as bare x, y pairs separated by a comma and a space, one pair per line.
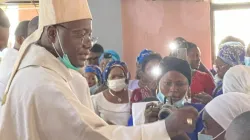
107, 24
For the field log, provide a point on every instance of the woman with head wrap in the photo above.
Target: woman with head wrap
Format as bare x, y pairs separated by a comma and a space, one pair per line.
230, 54
220, 112
113, 104
173, 87
94, 77
237, 80
133, 84
139, 60
146, 86
106, 57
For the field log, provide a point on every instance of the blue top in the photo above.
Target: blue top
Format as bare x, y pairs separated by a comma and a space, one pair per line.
218, 89
199, 123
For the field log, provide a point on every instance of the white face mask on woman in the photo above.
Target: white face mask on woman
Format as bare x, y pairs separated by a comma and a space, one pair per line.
117, 84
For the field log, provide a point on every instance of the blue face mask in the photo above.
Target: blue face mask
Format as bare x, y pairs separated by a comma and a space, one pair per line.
180, 103
208, 137
204, 137
247, 61
93, 89
65, 59
163, 99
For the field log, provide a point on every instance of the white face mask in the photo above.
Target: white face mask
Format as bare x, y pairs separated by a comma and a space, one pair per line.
208, 137
117, 85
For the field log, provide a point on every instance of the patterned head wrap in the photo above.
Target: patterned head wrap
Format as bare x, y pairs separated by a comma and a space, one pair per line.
232, 53
96, 70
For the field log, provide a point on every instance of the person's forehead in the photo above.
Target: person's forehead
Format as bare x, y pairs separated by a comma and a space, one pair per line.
116, 70
4, 31
194, 50
152, 63
219, 61
94, 54
173, 75
89, 74
84, 24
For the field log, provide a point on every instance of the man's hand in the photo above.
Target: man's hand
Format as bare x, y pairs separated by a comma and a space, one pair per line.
181, 121
203, 98
151, 112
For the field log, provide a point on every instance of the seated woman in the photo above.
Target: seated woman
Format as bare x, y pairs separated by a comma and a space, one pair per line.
94, 77
139, 60
105, 58
173, 87
113, 103
220, 112
146, 86
230, 54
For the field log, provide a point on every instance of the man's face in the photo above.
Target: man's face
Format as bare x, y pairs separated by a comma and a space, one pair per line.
194, 58
4, 36
75, 38
93, 58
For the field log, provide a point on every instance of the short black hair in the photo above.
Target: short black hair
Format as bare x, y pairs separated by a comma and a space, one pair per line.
190, 45
153, 56
181, 39
33, 25
22, 29
4, 21
97, 48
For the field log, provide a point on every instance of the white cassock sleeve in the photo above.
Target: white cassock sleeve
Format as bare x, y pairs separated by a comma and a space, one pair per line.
61, 116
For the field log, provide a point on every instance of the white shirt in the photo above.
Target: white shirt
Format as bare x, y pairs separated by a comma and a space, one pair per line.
6, 65
110, 112
133, 84
43, 103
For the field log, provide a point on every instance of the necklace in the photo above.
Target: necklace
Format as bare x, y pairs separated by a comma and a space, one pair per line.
118, 98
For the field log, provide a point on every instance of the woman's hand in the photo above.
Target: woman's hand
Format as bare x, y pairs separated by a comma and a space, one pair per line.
151, 112
203, 98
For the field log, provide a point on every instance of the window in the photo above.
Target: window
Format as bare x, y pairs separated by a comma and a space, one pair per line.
229, 18
231, 23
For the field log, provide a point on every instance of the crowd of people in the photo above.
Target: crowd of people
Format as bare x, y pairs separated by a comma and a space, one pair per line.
56, 82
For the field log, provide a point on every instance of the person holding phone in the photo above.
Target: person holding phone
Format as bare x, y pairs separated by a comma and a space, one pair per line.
146, 86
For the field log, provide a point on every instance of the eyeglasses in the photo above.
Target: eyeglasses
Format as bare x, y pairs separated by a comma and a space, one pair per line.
82, 34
